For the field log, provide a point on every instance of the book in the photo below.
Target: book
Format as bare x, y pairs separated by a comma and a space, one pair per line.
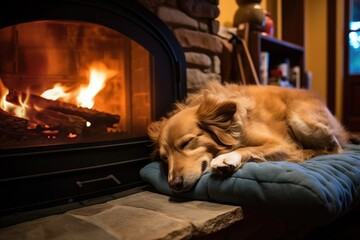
264, 68
295, 76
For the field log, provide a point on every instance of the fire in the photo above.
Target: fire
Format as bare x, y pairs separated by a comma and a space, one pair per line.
19, 111
99, 73
85, 95
3, 92
58, 91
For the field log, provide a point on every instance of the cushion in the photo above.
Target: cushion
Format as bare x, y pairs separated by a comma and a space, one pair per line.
316, 191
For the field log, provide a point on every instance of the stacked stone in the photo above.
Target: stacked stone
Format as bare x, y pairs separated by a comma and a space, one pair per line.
194, 24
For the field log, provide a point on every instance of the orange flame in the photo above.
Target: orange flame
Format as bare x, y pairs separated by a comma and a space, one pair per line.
99, 73
3, 92
19, 111
85, 95
58, 91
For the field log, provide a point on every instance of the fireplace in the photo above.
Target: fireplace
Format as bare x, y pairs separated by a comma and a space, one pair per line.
79, 83
69, 82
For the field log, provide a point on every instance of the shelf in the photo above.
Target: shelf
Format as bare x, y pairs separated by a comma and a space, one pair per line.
279, 47
280, 52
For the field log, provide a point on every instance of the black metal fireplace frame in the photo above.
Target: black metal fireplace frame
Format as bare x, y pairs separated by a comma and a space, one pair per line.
36, 177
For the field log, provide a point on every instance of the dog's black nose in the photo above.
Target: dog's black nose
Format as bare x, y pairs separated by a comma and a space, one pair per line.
177, 184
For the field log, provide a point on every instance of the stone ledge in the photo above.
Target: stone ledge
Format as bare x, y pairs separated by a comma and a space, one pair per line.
143, 215
125, 222
205, 217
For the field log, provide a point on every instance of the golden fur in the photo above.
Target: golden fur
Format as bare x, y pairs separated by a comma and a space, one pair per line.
224, 126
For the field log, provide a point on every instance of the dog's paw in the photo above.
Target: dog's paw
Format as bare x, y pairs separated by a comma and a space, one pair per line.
226, 163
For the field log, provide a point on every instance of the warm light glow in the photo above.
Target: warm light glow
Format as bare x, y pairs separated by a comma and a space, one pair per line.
72, 135
19, 111
58, 91
99, 73
84, 96
3, 92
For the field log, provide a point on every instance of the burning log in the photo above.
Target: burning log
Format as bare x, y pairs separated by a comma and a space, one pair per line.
52, 120
12, 127
96, 118
12, 122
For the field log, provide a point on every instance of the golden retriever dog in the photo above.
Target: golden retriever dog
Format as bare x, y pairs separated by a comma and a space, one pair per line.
221, 127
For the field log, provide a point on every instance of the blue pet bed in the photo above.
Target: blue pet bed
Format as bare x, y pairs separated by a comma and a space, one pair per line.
313, 192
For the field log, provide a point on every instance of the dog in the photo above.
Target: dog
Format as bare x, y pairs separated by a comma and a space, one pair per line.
223, 126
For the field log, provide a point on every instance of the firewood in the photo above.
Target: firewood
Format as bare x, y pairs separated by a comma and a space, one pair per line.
53, 120
11, 127
93, 116
12, 122
46, 121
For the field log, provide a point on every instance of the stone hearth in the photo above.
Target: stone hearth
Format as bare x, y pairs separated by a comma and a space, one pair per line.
143, 215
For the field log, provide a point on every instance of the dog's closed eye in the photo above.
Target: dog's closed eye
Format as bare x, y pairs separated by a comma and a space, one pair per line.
185, 143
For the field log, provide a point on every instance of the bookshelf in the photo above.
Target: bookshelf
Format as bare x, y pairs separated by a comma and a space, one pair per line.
290, 48
283, 52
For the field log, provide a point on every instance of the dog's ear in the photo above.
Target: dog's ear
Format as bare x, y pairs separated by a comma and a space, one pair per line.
154, 129
218, 118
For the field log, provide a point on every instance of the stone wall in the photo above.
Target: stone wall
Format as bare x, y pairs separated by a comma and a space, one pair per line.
194, 24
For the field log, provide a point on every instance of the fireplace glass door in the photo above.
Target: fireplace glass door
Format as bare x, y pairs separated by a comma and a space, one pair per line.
67, 82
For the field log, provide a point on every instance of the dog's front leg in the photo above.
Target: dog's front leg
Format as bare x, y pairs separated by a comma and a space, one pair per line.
229, 162
226, 163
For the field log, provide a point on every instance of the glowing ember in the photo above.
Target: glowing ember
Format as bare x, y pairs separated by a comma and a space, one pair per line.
72, 135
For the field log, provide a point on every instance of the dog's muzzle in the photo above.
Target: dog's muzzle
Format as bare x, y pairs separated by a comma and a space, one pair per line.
177, 183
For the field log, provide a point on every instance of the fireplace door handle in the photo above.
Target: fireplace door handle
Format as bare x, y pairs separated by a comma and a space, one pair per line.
108, 177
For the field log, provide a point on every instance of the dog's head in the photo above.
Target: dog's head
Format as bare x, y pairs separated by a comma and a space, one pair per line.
188, 140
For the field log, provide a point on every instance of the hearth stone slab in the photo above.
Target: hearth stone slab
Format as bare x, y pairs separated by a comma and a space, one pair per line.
143, 215
205, 217
59, 227
124, 222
